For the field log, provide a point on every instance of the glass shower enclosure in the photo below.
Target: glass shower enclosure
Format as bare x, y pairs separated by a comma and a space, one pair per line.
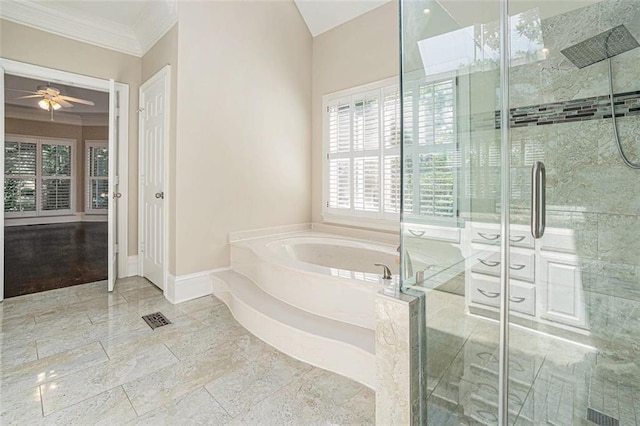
521, 208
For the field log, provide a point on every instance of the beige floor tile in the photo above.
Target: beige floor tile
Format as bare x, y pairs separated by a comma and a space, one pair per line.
254, 381
153, 390
197, 407
42, 371
73, 388
319, 397
108, 408
20, 407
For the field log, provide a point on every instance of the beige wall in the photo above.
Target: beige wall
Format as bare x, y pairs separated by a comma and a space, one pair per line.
357, 52
165, 52
243, 125
25, 44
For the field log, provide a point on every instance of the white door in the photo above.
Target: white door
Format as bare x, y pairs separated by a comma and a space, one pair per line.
114, 195
154, 112
2, 186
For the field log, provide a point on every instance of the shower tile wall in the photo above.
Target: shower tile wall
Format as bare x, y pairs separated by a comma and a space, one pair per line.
589, 189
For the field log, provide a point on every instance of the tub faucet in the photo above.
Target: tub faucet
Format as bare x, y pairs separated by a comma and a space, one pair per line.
386, 275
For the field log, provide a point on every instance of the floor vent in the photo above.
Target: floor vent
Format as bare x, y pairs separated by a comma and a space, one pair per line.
156, 320
601, 419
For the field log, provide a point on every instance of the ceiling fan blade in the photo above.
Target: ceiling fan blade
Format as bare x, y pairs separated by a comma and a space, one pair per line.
29, 96
62, 102
76, 100
23, 91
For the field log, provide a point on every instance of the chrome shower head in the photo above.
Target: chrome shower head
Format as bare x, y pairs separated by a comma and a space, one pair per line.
605, 45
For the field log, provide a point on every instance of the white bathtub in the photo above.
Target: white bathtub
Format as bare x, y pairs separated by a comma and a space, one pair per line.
327, 275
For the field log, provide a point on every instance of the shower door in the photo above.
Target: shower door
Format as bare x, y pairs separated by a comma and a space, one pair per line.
575, 351
521, 215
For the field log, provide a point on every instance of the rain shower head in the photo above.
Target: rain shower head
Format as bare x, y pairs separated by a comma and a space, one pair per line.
605, 45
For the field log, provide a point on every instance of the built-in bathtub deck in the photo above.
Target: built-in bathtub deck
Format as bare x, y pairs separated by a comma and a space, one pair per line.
333, 345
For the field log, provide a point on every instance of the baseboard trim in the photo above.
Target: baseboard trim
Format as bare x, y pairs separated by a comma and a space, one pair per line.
132, 266
191, 286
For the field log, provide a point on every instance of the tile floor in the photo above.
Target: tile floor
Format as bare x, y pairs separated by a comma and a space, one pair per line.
80, 356
551, 381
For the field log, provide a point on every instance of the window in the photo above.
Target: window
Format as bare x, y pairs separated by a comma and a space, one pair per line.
38, 177
97, 177
362, 151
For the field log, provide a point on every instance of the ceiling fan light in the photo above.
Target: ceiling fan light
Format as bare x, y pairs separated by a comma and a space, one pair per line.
56, 106
44, 104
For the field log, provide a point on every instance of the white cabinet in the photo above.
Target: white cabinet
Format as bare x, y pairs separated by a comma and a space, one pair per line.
560, 288
545, 285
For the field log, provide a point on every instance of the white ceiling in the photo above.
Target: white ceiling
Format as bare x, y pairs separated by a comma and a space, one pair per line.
133, 26
323, 15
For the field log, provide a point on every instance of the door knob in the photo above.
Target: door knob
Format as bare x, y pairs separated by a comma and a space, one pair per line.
117, 195
160, 195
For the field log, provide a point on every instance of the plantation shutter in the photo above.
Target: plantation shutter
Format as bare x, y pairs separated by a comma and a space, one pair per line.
20, 163
98, 177
435, 155
56, 177
392, 141
339, 155
363, 173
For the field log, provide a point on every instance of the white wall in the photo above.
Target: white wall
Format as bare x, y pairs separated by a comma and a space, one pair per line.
243, 125
25, 44
357, 52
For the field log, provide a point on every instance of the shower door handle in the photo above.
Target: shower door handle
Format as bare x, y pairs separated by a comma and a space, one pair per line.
538, 199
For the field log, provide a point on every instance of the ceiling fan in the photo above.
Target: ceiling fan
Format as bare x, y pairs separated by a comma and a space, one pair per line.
52, 100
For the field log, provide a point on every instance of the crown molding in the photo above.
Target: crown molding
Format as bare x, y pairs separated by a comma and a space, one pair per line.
154, 21
35, 114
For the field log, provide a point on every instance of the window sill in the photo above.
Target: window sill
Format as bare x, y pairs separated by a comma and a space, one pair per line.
362, 222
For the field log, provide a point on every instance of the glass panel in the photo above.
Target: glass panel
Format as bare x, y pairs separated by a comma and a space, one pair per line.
19, 195
99, 194
99, 161
56, 160
20, 158
575, 292
56, 194
452, 198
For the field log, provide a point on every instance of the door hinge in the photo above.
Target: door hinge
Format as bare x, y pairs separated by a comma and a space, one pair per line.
117, 112
116, 248
116, 180
327, 204
327, 156
141, 246
141, 179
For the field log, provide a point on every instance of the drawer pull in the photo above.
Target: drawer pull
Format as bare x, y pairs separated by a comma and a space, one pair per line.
417, 233
517, 239
488, 263
517, 267
516, 399
490, 237
517, 299
487, 416
488, 294
491, 388
486, 356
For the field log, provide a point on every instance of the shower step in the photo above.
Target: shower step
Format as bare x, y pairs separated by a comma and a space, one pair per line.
336, 346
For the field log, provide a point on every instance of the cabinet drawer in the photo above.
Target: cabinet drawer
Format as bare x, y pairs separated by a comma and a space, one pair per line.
485, 290
490, 234
522, 264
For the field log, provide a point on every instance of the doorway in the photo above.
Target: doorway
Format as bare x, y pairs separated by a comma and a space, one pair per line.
80, 195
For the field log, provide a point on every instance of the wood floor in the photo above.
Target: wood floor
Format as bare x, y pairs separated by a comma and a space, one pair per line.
45, 257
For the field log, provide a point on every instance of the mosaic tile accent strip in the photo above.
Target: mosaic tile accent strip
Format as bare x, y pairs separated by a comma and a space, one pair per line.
593, 108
